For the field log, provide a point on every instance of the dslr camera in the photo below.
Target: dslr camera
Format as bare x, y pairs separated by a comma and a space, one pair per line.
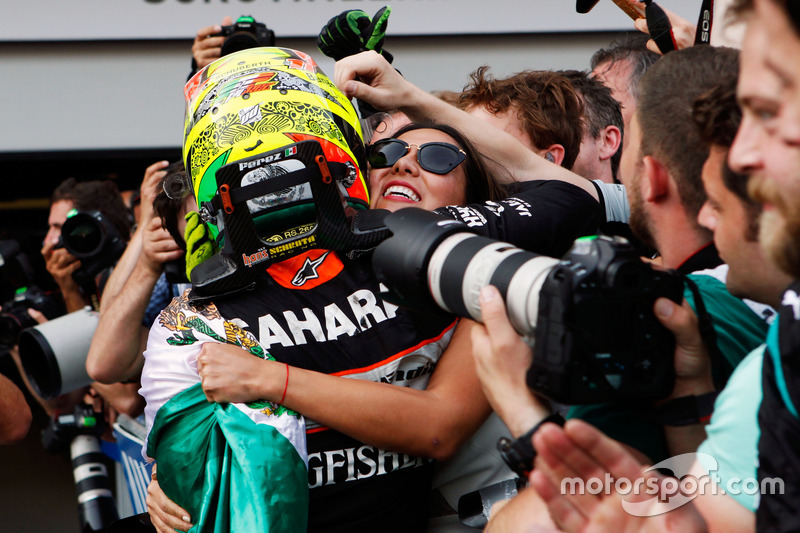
92, 238
588, 316
79, 433
245, 33
16, 284
15, 318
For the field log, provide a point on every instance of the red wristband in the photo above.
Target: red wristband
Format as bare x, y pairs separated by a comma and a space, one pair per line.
286, 386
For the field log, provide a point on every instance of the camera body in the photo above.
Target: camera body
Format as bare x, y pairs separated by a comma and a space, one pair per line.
596, 337
588, 316
92, 238
62, 429
18, 289
14, 317
245, 33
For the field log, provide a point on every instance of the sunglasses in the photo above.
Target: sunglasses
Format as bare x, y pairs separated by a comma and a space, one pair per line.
435, 157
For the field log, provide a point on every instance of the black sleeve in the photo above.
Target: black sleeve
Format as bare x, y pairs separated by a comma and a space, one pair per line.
541, 216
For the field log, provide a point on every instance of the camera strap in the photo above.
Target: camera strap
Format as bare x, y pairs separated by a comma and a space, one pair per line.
661, 31
519, 453
703, 33
706, 326
689, 410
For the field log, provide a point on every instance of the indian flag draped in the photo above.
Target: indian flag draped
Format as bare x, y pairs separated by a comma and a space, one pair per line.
233, 467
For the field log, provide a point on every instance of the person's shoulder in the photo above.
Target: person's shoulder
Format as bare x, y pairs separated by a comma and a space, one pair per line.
713, 290
737, 327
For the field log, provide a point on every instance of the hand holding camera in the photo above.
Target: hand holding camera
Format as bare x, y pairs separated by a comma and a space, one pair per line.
158, 247
207, 44
692, 360
502, 359
61, 265
213, 42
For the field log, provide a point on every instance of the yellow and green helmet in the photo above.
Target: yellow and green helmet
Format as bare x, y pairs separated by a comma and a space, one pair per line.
259, 100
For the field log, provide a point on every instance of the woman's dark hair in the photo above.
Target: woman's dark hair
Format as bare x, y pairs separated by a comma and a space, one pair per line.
480, 185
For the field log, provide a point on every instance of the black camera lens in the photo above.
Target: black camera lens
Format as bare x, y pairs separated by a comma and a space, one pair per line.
84, 237
11, 324
84, 234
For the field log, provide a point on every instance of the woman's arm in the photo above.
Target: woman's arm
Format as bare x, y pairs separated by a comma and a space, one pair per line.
429, 423
369, 77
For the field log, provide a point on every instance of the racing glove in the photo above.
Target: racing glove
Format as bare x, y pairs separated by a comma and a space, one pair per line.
353, 31
199, 243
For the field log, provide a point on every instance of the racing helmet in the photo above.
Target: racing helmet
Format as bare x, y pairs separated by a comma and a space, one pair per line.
261, 99
274, 153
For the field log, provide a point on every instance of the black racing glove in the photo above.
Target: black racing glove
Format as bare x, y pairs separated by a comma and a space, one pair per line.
352, 32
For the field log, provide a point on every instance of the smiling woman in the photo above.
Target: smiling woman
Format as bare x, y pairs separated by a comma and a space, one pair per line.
427, 165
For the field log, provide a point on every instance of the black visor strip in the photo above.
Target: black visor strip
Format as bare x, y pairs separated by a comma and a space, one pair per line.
269, 186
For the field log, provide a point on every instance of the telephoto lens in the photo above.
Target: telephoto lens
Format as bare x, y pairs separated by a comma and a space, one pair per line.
434, 262
53, 354
588, 316
96, 506
79, 431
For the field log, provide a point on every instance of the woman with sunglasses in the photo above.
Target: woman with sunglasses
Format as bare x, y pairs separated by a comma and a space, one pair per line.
428, 166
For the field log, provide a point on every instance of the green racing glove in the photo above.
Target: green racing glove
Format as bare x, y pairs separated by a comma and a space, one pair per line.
199, 243
353, 31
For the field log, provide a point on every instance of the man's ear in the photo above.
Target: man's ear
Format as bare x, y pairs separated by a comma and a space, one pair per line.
610, 142
655, 181
556, 151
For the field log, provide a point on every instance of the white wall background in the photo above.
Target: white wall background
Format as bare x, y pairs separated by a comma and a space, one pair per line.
60, 91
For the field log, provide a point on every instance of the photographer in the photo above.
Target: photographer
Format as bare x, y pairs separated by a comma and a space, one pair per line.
662, 168
731, 439
137, 281
212, 42
88, 196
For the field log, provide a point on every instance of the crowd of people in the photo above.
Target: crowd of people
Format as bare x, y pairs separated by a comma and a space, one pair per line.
282, 389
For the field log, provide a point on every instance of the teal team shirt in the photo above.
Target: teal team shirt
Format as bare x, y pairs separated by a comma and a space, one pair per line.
733, 431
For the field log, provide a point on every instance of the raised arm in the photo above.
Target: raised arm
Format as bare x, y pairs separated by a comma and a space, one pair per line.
117, 345
369, 77
122, 270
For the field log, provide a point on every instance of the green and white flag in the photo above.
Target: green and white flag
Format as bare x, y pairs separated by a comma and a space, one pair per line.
233, 467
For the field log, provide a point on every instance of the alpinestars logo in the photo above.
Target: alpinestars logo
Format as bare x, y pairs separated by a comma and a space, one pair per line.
792, 299
308, 270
